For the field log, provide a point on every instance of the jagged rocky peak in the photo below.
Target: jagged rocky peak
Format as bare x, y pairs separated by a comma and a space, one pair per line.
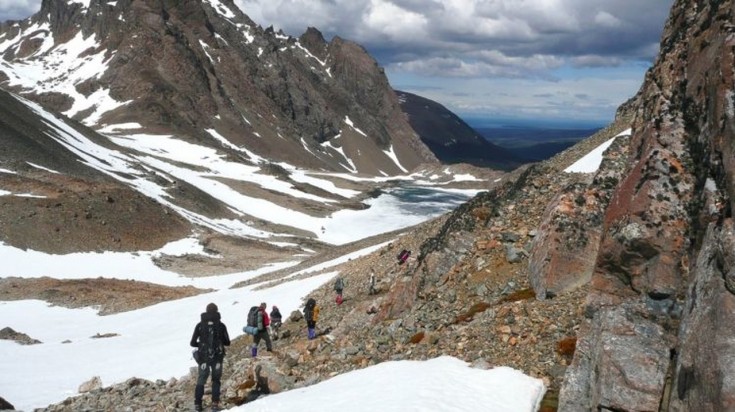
203, 71
314, 41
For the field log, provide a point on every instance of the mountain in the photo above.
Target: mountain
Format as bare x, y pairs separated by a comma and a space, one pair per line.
188, 109
204, 72
450, 138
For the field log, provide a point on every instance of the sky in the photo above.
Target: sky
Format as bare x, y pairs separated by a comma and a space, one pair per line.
568, 61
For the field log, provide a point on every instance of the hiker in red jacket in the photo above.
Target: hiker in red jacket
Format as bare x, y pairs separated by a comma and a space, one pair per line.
263, 323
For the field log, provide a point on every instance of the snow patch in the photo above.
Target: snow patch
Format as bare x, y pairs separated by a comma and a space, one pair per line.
591, 162
392, 154
352, 125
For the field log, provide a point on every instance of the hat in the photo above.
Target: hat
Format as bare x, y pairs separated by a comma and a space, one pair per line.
211, 308
262, 305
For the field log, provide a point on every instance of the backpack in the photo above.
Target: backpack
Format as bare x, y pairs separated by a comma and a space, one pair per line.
403, 256
210, 344
309, 309
252, 328
339, 284
253, 316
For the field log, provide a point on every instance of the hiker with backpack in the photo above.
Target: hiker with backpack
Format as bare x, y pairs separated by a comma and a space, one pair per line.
262, 324
311, 314
210, 338
276, 319
371, 283
403, 256
339, 286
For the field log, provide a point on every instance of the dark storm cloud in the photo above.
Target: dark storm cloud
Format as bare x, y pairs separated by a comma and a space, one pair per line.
484, 37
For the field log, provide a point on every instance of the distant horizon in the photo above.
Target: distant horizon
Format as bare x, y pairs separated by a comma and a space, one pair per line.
501, 123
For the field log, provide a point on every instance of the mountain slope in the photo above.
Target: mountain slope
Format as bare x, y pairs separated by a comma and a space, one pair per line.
201, 70
450, 138
62, 205
230, 126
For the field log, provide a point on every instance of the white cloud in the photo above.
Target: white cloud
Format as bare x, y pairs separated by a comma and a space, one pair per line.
606, 19
395, 22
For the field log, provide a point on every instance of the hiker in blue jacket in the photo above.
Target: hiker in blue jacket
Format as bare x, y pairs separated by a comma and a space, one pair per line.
210, 337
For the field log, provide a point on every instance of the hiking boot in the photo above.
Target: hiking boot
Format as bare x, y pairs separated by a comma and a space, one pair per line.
198, 408
215, 407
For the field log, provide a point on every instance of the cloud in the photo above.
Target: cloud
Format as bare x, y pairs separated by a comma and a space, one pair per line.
596, 61
482, 63
18, 9
582, 32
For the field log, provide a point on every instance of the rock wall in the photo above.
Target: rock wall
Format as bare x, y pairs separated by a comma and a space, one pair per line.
654, 337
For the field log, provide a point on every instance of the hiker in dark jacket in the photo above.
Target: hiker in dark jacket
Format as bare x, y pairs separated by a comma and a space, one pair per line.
275, 321
311, 314
339, 286
263, 324
209, 358
371, 283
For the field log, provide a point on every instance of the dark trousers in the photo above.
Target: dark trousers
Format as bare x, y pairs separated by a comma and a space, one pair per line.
215, 368
263, 334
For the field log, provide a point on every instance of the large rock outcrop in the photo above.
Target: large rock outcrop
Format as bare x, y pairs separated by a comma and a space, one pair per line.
666, 249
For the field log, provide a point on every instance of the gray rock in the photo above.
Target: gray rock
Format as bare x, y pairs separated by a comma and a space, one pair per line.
704, 378
620, 363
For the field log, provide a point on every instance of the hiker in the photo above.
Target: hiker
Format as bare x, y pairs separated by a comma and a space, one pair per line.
275, 321
403, 256
371, 284
263, 323
339, 286
311, 314
210, 337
